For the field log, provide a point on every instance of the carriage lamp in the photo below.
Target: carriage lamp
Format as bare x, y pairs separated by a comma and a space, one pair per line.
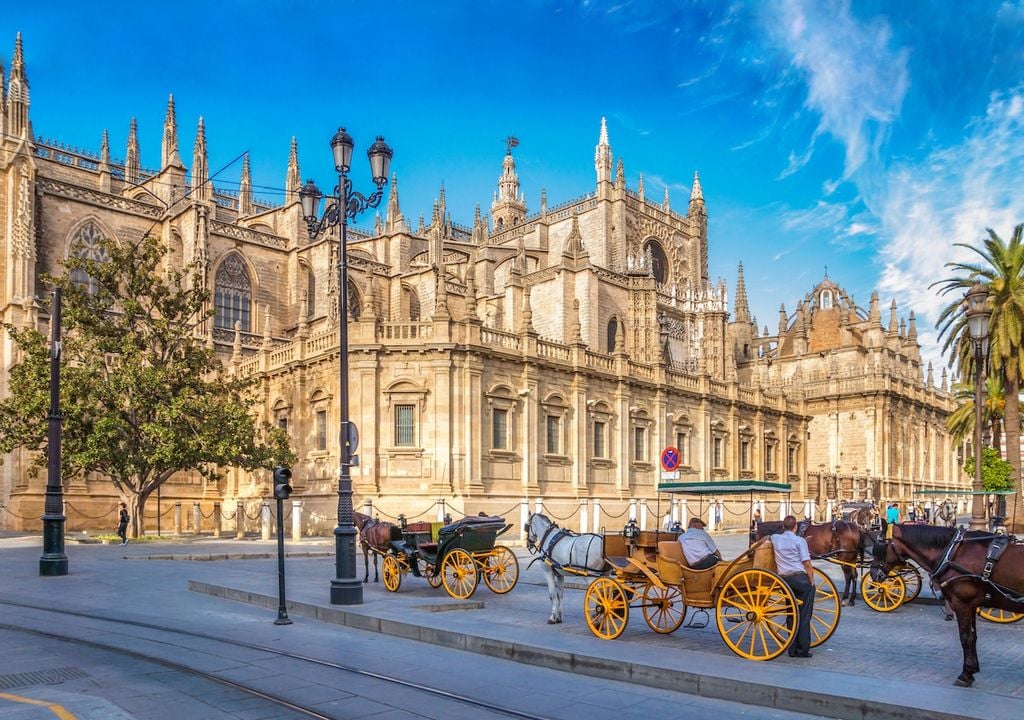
344, 205
977, 312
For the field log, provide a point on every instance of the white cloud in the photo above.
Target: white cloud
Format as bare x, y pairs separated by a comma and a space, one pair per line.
855, 81
949, 197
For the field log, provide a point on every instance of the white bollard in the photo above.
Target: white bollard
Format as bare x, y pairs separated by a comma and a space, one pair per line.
684, 512
296, 520
197, 518
440, 510
583, 516
631, 515
675, 511
265, 521
368, 507
524, 515
538, 505
783, 510
809, 509
712, 516
760, 509
643, 513
597, 515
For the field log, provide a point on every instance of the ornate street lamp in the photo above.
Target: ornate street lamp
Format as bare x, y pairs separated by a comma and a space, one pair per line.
346, 204
978, 314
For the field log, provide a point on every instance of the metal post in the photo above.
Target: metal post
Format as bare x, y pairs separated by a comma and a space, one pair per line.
978, 500
282, 611
346, 589
53, 562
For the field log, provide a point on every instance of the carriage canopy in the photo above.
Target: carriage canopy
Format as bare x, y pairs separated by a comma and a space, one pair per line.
725, 487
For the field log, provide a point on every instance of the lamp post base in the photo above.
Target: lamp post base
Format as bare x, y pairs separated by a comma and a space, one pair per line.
346, 588
53, 562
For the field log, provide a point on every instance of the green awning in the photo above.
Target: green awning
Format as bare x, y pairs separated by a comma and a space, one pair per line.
725, 487
965, 492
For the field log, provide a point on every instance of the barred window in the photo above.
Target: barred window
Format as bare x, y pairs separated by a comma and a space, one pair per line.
640, 444
321, 429
499, 429
683, 446
554, 435
599, 451
405, 427
86, 245
745, 455
232, 294
719, 454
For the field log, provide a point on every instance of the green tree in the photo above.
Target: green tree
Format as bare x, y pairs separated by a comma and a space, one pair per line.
142, 395
1001, 270
960, 422
995, 472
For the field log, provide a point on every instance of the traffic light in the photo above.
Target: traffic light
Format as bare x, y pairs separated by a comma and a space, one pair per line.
282, 482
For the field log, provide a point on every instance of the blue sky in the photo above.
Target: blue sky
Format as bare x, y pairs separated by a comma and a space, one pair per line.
865, 136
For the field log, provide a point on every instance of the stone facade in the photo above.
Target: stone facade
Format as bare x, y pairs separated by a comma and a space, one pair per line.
540, 358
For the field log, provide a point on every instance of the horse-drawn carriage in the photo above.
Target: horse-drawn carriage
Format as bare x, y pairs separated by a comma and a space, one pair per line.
756, 613
457, 557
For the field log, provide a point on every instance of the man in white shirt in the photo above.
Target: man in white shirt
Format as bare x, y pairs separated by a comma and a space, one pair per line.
793, 560
699, 549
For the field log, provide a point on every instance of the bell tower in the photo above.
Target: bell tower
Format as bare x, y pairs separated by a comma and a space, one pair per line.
509, 205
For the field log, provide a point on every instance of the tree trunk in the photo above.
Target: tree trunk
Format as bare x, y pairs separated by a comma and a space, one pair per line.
1011, 422
136, 510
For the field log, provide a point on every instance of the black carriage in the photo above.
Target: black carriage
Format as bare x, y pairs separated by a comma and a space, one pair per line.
456, 557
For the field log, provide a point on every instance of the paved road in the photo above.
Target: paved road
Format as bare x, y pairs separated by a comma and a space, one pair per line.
110, 686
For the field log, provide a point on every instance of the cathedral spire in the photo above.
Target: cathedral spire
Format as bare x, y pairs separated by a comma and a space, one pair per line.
17, 94
912, 329
575, 250
509, 207
131, 156
697, 193
893, 322
666, 204
741, 308
169, 148
394, 220
201, 188
293, 181
640, 188
874, 314
603, 156
105, 151
783, 322
245, 189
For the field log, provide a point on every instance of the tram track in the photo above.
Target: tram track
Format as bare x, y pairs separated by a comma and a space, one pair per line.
293, 706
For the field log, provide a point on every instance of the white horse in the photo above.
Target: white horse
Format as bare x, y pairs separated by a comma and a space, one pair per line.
559, 548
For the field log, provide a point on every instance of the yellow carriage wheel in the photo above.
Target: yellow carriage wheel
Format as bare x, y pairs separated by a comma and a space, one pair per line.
501, 570
458, 574
664, 609
912, 579
825, 615
433, 580
1000, 616
756, 613
392, 572
883, 596
606, 606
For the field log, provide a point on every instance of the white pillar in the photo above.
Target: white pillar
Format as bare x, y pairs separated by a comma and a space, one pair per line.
296, 520
712, 516
538, 505
177, 518
524, 515
631, 515
368, 507
782, 509
583, 516
675, 510
197, 518
597, 515
265, 520
760, 507
809, 509
643, 513
684, 512
440, 510
830, 509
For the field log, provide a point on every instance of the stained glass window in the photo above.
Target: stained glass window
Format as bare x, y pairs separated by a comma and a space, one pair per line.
87, 245
233, 294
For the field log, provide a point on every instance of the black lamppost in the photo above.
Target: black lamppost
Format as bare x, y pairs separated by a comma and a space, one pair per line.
346, 203
53, 561
978, 314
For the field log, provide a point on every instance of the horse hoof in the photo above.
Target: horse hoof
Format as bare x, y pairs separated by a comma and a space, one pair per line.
551, 622
960, 682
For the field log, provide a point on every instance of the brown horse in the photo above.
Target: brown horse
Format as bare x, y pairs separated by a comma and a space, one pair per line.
376, 534
839, 541
961, 565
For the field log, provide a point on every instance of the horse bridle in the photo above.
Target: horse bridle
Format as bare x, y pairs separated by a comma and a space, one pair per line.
534, 548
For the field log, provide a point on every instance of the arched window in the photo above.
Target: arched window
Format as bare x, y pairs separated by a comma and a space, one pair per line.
232, 294
355, 307
86, 245
659, 261
613, 331
826, 299
411, 303
311, 292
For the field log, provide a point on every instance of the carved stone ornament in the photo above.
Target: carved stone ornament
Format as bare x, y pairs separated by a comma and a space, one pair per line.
21, 241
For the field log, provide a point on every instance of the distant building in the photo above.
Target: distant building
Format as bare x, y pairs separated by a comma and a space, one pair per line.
544, 357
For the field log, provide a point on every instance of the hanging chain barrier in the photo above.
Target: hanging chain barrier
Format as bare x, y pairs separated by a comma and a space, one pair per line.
227, 515
407, 517
507, 512
547, 511
613, 515
11, 512
204, 515
739, 513
111, 511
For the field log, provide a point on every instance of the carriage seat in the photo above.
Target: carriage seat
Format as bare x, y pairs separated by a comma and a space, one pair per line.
673, 570
427, 547
471, 520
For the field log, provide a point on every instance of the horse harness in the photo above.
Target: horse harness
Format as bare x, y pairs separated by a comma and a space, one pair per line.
997, 545
547, 542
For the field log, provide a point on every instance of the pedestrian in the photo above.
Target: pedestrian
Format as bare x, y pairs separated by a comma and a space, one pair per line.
892, 515
122, 524
912, 513
793, 561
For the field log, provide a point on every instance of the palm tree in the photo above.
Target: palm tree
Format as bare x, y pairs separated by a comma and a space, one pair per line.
1001, 270
961, 421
